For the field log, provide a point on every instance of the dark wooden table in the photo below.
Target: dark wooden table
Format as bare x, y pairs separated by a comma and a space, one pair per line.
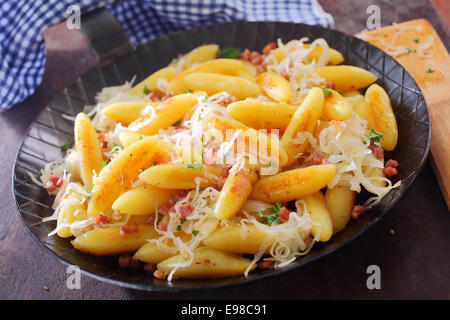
414, 261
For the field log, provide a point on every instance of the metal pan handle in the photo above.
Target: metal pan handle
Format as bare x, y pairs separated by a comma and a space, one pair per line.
105, 35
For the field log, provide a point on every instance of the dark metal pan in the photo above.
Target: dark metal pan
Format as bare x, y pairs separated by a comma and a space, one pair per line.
119, 62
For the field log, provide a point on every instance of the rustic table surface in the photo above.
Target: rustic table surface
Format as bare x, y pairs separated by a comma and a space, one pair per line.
414, 261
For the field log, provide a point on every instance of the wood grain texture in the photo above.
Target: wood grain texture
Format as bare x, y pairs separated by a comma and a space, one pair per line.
434, 85
415, 261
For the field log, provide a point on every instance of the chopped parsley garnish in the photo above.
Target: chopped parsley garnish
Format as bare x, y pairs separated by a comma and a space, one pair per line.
195, 232
182, 220
340, 92
270, 218
201, 188
385, 34
416, 40
231, 53
194, 166
178, 227
88, 197
429, 70
65, 146
186, 91
327, 92
140, 137
154, 163
104, 163
374, 136
98, 130
146, 90
115, 147
411, 50
176, 124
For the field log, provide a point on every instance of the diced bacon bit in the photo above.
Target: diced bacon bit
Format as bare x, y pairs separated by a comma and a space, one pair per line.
391, 164
218, 186
357, 211
158, 274
124, 230
265, 264
284, 213
330, 85
210, 158
319, 159
149, 267
261, 68
164, 210
390, 172
101, 220
162, 227
269, 47
167, 96
245, 55
53, 183
377, 151
104, 144
152, 96
185, 209
125, 261
256, 58
336, 124
176, 197
150, 219
284, 73
206, 262
226, 171
226, 101
177, 129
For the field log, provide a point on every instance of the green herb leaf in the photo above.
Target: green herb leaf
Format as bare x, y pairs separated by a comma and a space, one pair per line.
98, 130
429, 70
231, 53
104, 163
186, 91
178, 228
182, 220
374, 136
88, 197
201, 188
154, 163
195, 232
146, 90
327, 92
270, 218
194, 166
176, 124
65, 146
416, 40
385, 34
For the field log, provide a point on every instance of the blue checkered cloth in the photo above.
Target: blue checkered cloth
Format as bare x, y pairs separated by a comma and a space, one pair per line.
22, 22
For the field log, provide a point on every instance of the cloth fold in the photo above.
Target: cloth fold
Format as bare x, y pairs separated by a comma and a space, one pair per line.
22, 22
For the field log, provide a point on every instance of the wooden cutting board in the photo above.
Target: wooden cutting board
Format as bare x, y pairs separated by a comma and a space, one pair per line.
434, 85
